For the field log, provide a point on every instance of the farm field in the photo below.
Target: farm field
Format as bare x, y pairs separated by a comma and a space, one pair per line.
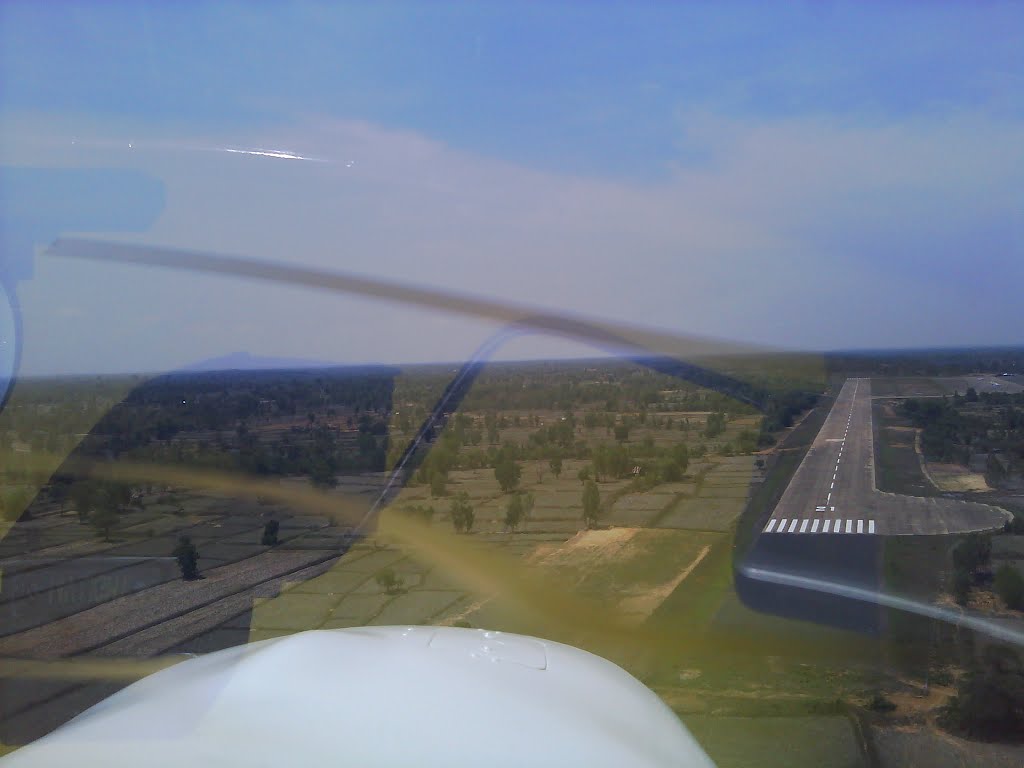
67, 589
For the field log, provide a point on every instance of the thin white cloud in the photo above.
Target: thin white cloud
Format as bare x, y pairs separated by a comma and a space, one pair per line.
798, 232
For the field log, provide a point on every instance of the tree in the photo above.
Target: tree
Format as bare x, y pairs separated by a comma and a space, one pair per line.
105, 503
715, 424
1009, 585
462, 513
960, 586
972, 552
322, 473
82, 494
270, 533
389, 581
669, 471
555, 463
59, 492
188, 558
989, 702
514, 512
584, 475
591, 503
104, 517
438, 484
527, 505
507, 473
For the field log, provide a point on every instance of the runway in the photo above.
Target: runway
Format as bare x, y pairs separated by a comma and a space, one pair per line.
833, 490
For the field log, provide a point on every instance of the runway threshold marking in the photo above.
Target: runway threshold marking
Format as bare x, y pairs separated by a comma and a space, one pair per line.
871, 526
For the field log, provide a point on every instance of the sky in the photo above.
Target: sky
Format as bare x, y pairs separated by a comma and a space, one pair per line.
797, 175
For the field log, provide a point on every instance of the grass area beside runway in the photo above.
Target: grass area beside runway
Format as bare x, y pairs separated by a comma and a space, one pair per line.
823, 742
781, 465
897, 463
917, 567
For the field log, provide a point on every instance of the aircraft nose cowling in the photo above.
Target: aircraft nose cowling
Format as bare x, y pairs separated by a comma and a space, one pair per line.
379, 696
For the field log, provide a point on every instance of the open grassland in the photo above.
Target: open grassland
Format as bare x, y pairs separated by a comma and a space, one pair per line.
782, 742
898, 467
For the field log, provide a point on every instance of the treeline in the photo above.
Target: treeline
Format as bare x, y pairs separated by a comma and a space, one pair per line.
212, 402
953, 429
928, 362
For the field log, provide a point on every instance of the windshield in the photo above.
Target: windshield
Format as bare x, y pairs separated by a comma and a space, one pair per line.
684, 334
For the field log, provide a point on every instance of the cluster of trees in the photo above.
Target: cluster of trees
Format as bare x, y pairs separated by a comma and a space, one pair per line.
945, 435
206, 419
781, 410
99, 503
517, 509
972, 568
970, 555
952, 429
989, 703
461, 512
614, 386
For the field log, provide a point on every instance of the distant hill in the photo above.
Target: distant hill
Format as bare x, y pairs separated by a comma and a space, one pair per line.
243, 361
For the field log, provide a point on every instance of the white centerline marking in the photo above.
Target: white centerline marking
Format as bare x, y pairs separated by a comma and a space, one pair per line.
771, 525
831, 485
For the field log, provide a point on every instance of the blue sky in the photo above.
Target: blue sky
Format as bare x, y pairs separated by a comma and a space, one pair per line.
772, 157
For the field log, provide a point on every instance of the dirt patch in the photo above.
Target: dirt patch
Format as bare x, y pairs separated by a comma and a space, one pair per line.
956, 478
588, 549
645, 604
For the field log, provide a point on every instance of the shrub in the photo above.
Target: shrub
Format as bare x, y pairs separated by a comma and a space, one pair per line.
1009, 585
270, 533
